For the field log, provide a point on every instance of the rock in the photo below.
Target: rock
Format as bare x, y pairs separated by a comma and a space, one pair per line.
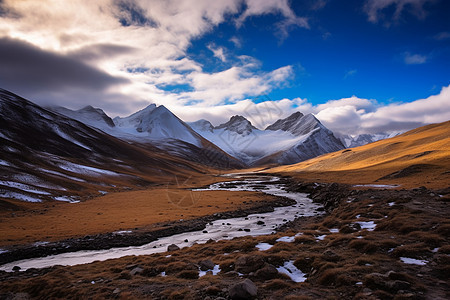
267, 272
260, 223
206, 265
243, 290
249, 263
16, 268
173, 247
136, 270
246, 230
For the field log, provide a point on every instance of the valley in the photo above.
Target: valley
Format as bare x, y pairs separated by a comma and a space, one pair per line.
108, 203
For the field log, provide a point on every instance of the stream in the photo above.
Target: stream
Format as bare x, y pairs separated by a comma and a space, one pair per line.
252, 225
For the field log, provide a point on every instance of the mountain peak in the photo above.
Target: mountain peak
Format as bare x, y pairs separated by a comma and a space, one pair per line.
238, 124
287, 123
201, 125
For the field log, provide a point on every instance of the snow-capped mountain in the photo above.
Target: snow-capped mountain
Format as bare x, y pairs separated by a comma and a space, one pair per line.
48, 156
156, 126
89, 115
156, 123
350, 141
287, 141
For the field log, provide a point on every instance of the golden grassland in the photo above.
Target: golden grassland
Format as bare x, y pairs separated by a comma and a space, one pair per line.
141, 210
420, 157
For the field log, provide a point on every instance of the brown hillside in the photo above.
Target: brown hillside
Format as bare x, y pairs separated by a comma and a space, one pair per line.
420, 157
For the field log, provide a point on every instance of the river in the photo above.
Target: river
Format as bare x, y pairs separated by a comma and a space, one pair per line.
252, 225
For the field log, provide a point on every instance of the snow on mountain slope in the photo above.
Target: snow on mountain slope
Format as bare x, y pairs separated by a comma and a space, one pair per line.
155, 123
45, 155
89, 115
289, 140
350, 141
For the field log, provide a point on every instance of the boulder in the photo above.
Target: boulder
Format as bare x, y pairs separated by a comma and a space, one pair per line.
267, 272
173, 247
249, 263
243, 290
206, 265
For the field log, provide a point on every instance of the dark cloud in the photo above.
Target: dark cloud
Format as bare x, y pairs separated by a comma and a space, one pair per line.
28, 69
101, 51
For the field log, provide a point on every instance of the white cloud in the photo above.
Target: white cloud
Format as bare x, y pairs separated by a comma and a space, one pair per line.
415, 59
375, 9
218, 52
158, 34
348, 115
258, 7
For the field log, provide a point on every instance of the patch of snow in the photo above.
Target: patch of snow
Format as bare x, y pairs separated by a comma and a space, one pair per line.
263, 246
378, 186
413, 261
69, 138
435, 250
123, 232
23, 187
18, 196
391, 203
358, 216
163, 274
290, 270
214, 271
103, 192
62, 175
370, 225
287, 239
37, 244
70, 199
3, 251
359, 283
334, 230
86, 170
321, 237
4, 163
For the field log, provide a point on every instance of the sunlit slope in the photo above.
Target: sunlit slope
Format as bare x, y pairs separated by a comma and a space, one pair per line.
418, 157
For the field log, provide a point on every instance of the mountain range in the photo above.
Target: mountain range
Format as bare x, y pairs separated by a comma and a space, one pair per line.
49, 151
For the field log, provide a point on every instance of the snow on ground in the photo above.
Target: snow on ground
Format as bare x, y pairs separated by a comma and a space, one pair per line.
334, 230
214, 271
69, 199
413, 261
287, 239
263, 246
4, 163
378, 186
69, 138
321, 237
290, 270
62, 175
35, 181
391, 203
370, 225
85, 170
18, 196
23, 187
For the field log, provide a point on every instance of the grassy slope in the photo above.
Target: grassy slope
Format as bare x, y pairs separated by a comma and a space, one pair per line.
422, 154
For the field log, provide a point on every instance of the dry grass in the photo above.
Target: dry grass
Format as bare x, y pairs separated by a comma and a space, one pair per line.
117, 211
418, 157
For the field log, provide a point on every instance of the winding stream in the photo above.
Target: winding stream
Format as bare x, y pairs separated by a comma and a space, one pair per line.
252, 225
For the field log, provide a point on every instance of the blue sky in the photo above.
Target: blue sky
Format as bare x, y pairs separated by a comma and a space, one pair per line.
359, 66
343, 53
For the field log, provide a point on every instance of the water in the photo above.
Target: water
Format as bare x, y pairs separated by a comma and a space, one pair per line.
217, 230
